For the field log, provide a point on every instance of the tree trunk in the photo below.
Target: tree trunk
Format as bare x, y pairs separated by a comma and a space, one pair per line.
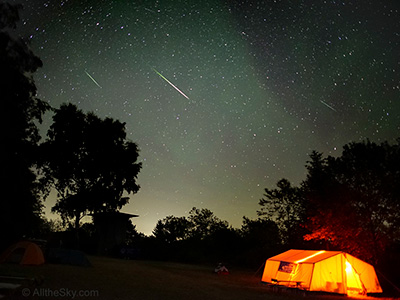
77, 219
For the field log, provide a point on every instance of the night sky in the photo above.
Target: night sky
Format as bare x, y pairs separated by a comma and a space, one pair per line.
262, 85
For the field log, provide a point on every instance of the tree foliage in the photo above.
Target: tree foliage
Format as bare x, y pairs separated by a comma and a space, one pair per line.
89, 162
286, 207
204, 223
200, 236
20, 207
199, 225
172, 229
260, 232
355, 198
260, 239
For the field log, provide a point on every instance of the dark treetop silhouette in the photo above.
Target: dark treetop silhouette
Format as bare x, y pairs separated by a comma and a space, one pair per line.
89, 162
20, 207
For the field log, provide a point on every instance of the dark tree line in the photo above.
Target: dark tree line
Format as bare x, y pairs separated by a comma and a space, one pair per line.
86, 159
203, 237
20, 207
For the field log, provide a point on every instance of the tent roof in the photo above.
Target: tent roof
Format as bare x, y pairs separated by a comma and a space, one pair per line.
304, 256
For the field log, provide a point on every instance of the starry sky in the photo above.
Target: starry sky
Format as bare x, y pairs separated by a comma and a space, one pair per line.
265, 83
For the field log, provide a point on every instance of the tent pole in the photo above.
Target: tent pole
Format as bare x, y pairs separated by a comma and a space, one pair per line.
259, 269
391, 283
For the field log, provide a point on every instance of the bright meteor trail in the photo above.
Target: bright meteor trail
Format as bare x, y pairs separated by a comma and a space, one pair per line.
170, 83
327, 105
93, 79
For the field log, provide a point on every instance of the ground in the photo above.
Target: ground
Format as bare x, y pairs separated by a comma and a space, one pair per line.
109, 278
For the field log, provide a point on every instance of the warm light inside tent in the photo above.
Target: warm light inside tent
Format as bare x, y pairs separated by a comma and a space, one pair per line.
348, 267
353, 279
310, 256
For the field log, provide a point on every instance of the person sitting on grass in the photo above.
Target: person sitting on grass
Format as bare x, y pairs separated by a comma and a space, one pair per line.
221, 269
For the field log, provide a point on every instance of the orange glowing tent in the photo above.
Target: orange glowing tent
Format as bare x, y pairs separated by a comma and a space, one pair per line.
24, 253
326, 271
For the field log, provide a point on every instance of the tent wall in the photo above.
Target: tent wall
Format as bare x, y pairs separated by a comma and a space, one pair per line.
328, 275
353, 281
33, 255
270, 270
367, 274
303, 274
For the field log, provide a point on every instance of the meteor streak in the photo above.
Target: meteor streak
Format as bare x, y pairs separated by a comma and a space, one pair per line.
327, 105
148, 9
95, 82
170, 83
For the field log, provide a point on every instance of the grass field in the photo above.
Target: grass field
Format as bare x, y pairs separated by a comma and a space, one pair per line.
109, 278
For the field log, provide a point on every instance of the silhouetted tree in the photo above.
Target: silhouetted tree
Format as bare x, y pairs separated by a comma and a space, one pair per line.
89, 162
204, 223
200, 224
260, 240
20, 207
224, 244
286, 207
199, 237
355, 198
132, 235
172, 229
